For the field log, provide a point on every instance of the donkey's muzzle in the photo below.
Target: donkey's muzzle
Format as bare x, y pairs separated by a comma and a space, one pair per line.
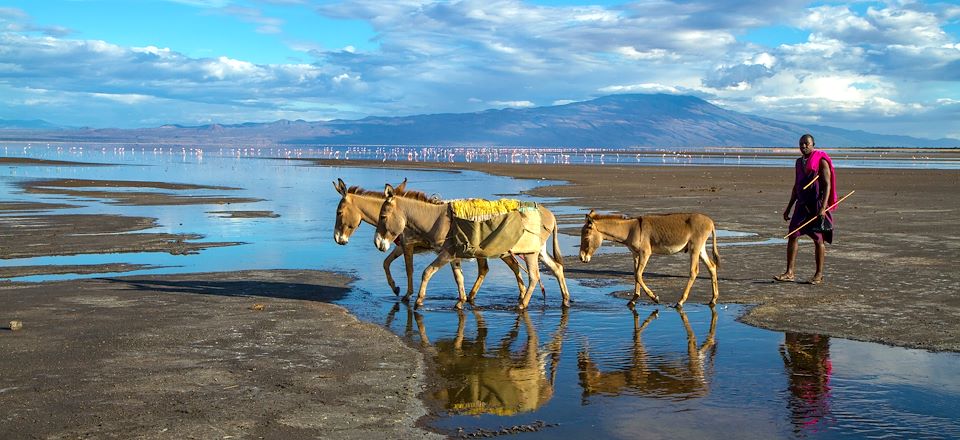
381, 243
585, 257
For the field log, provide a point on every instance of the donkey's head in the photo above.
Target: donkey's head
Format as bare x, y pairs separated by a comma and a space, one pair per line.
349, 214
391, 222
590, 238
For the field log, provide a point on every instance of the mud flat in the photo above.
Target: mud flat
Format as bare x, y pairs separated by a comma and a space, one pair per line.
253, 354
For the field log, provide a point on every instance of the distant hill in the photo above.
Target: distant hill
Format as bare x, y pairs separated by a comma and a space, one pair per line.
615, 121
33, 124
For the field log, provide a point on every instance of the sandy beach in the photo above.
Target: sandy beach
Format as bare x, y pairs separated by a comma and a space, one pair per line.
262, 353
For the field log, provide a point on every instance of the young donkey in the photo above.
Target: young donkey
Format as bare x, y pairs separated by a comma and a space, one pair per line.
660, 234
359, 205
431, 221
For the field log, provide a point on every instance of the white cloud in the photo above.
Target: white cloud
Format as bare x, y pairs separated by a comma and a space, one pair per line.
640, 88
126, 98
512, 104
224, 67
764, 59
634, 54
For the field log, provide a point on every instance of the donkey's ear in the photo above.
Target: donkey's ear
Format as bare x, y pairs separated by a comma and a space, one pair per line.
402, 186
340, 187
388, 190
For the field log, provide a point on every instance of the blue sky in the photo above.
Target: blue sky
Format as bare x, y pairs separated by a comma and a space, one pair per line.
886, 67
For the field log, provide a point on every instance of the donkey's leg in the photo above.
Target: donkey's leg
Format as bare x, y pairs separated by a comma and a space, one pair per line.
442, 259
712, 267
640, 262
408, 251
482, 269
458, 277
557, 270
394, 254
694, 271
533, 277
515, 267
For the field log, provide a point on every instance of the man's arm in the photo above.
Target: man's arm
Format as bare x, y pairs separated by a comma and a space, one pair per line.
825, 178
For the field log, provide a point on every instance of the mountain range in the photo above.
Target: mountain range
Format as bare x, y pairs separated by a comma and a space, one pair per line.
615, 121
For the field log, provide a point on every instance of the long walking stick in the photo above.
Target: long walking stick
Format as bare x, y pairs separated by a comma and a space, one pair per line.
815, 217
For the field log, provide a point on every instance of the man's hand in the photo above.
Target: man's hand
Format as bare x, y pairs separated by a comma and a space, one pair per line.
786, 214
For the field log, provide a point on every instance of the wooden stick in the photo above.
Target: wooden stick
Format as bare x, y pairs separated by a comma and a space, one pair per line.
815, 217
815, 176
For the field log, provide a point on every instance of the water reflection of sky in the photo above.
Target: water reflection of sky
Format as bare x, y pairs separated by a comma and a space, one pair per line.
589, 372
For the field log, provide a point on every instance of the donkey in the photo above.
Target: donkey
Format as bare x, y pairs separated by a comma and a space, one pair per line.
661, 234
358, 205
431, 220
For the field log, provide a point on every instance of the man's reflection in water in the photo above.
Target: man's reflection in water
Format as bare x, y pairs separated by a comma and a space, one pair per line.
654, 375
807, 361
503, 380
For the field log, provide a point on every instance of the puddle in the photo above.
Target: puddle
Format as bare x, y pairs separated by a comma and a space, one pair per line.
596, 371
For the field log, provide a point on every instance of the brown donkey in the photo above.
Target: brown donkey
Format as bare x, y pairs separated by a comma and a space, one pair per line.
655, 234
359, 205
431, 220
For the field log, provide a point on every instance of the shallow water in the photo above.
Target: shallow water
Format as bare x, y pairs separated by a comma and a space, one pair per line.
598, 370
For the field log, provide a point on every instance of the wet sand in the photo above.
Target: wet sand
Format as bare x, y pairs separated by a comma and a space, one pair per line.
890, 274
252, 354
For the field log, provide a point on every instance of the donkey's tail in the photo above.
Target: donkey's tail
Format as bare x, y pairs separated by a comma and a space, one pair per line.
716, 254
556, 246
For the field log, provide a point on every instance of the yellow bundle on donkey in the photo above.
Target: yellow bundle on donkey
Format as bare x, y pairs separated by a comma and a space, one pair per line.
490, 228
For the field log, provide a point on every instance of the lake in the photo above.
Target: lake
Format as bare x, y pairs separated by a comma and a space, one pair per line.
597, 370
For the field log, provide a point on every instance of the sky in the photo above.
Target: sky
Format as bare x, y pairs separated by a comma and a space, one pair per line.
890, 67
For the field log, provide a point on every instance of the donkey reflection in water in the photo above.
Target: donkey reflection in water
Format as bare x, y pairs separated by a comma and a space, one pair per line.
654, 374
655, 234
511, 378
517, 375
360, 205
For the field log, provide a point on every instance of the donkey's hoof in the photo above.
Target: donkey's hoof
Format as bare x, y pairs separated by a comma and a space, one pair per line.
458, 305
566, 304
678, 306
396, 291
631, 304
405, 299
